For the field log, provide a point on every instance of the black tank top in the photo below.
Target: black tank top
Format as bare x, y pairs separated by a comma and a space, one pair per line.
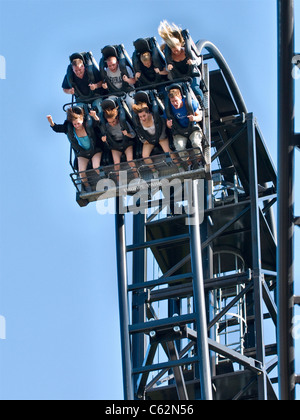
182, 66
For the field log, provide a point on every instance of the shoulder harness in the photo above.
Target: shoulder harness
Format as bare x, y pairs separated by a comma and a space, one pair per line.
151, 100
88, 124
187, 95
143, 45
123, 119
90, 65
191, 52
120, 53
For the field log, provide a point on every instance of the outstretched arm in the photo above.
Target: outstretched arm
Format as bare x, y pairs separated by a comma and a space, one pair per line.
49, 118
58, 128
94, 115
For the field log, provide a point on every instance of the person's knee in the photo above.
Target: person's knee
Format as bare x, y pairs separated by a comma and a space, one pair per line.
145, 155
196, 139
96, 160
180, 143
82, 164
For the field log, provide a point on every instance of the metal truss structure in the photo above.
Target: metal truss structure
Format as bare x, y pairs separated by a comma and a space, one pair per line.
204, 327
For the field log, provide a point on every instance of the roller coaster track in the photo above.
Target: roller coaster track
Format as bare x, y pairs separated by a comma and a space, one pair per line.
213, 277
220, 60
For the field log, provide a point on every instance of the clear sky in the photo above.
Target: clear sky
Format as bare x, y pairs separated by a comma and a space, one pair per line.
58, 289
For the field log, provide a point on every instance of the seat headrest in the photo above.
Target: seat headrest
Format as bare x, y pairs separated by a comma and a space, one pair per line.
108, 104
76, 55
142, 45
175, 86
142, 96
109, 51
77, 109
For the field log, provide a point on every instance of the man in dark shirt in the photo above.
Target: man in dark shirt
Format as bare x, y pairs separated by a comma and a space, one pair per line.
82, 86
149, 71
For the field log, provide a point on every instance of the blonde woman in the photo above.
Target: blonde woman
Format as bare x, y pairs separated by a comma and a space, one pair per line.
181, 55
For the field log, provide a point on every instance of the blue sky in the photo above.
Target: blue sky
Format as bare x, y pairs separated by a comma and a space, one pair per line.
58, 289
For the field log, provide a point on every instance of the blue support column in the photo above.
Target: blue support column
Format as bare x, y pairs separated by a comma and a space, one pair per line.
285, 269
123, 302
256, 256
199, 295
138, 276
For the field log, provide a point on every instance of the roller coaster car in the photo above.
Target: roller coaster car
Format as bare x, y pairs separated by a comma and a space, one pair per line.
163, 163
124, 60
150, 45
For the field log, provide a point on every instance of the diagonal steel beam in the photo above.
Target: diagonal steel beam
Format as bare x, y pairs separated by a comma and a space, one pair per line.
230, 305
248, 362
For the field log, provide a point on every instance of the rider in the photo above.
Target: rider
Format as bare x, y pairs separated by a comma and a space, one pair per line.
83, 135
118, 135
116, 72
152, 132
183, 116
83, 79
181, 55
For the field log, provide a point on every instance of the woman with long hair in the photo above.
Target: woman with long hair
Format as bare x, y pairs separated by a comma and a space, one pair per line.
119, 139
181, 54
84, 138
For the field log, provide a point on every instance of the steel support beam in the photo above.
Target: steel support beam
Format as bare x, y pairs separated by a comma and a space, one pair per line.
285, 198
256, 255
123, 302
226, 351
230, 305
199, 296
138, 306
178, 373
142, 381
228, 143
